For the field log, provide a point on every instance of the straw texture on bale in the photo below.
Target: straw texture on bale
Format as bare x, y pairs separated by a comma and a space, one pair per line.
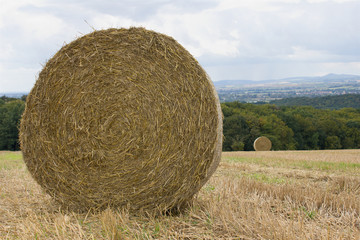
122, 117
262, 144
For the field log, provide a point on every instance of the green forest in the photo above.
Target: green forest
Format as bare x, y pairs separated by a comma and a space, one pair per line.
326, 102
11, 110
288, 127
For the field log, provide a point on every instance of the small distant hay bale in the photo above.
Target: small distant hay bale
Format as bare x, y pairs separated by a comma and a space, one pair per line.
262, 144
122, 118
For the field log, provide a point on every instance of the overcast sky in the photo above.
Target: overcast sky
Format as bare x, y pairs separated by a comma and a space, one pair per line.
232, 39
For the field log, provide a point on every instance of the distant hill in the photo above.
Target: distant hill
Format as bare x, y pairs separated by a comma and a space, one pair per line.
13, 94
268, 90
238, 83
326, 79
327, 102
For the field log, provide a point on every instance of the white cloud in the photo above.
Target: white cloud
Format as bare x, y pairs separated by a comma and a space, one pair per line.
253, 39
19, 79
39, 26
104, 21
6, 50
200, 32
257, 5
324, 1
302, 54
10, 8
30, 24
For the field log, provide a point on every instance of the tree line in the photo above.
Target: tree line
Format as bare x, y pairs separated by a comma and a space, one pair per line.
288, 127
325, 102
11, 110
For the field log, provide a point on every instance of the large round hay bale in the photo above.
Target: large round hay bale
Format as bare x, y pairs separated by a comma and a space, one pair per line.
262, 144
122, 117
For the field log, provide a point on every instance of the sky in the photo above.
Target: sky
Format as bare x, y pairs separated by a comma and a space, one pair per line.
231, 39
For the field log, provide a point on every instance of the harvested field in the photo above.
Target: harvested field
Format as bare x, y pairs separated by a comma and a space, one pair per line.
252, 195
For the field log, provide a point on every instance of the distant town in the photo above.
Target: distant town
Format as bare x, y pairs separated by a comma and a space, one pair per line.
269, 90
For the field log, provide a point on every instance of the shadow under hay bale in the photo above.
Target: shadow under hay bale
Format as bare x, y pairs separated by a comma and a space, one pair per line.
262, 144
122, 117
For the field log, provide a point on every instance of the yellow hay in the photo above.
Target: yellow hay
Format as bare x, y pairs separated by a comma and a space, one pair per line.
262, 144
122, 117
